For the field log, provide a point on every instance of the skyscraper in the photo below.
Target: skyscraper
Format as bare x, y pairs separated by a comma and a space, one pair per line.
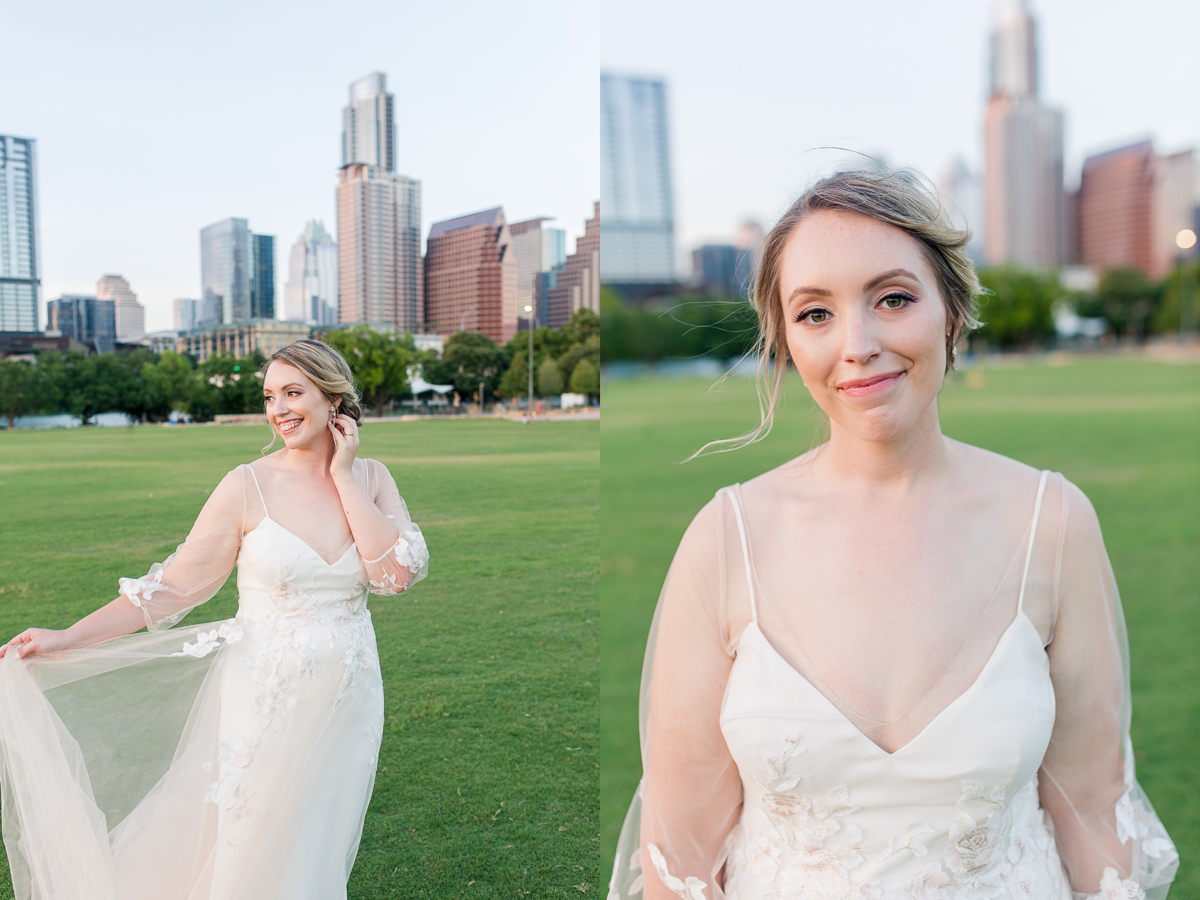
638, 232
130, 315
368, 131
186, 314
1116, 192
1023, 150
577, 284
262, 284
379, 247
20, 241
471, 276
237, 274
528, 246
311, 292
86, 319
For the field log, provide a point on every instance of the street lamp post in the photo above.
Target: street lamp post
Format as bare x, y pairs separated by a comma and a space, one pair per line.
1185, 240
529, 411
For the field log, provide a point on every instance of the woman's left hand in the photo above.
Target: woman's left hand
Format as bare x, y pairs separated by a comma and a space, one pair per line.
345, 443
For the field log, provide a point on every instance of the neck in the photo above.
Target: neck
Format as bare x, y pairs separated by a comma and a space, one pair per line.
895, 465
313, 459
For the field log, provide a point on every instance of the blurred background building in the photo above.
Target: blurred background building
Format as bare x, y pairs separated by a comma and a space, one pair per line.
577, 284
638, 232
471, 276
540, 251
380, 274
311, 292
129, 315
186, 312
83, 318
20, 248
1023, 151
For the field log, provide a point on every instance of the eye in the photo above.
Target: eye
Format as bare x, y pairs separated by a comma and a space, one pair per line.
814, 315
896, 300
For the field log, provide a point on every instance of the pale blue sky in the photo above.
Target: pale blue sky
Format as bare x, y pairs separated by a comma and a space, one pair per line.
155, 119
755, 86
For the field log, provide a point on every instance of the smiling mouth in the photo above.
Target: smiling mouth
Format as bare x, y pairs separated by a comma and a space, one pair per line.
288, 427
870, 385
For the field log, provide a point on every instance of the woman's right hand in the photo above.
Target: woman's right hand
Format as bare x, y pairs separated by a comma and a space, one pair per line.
37, 640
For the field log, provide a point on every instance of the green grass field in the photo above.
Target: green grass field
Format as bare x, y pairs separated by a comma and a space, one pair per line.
488, 776
1127, 432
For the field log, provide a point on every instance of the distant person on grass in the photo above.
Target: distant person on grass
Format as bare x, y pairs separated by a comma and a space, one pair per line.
894, 667
232, 759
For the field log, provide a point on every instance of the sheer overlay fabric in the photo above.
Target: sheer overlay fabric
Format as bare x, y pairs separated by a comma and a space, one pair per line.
938, 711
230, 759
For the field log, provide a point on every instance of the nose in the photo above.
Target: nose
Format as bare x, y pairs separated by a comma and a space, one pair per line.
860, 344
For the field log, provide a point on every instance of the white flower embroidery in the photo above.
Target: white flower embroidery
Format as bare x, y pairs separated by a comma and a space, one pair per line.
691, 888
208, 641
1112, 887
236, 759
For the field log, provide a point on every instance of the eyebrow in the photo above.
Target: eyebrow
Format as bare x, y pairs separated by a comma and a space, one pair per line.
285, 387
874, 282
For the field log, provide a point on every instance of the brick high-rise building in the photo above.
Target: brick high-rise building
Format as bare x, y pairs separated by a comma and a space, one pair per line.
577, 285
379, 265
471, 276
1025, 206
1131, 205
130, 315
1114, 204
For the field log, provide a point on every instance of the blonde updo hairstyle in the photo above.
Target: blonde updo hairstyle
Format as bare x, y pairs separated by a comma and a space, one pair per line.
325, 367
895, 198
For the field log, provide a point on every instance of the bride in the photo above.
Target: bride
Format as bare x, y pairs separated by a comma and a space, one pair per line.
894, 667
231, 759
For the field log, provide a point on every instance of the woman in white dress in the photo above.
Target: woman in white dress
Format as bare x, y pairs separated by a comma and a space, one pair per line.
231, 759
894, 667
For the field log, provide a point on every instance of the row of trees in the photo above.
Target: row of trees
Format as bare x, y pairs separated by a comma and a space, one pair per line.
1017, 311
149, 387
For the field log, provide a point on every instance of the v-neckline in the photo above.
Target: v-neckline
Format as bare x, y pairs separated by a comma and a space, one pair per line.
288, 531
771, 651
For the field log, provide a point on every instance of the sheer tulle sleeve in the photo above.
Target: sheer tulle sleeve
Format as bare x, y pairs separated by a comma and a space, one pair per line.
1111, 842
406, 561
672, 844
200, 565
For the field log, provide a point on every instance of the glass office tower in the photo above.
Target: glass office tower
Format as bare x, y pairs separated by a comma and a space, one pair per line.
20, 269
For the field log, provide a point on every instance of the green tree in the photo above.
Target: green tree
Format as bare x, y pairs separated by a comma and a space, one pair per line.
21, 391
1126, 299
515, 382
549, 378
1017, 309
585, 379
1183, 281
589, 349
228, 386
468, 358
96, 384
174, 377
686, 326
379, 361
143, 399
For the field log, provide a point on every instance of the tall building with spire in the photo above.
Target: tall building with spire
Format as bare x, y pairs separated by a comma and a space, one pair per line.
380, 270
311, 292
20, 240
1025, 205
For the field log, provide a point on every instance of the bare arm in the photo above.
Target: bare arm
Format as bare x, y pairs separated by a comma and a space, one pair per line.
109, 621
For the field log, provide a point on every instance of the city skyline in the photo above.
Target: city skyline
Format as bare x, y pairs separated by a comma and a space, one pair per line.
213, 148
746, 139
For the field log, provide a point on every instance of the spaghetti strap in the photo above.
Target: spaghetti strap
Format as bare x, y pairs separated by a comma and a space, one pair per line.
261, 498
1037, 509
737, 512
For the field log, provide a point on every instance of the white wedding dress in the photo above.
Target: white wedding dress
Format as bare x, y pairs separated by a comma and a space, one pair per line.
231, 759
794, 797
